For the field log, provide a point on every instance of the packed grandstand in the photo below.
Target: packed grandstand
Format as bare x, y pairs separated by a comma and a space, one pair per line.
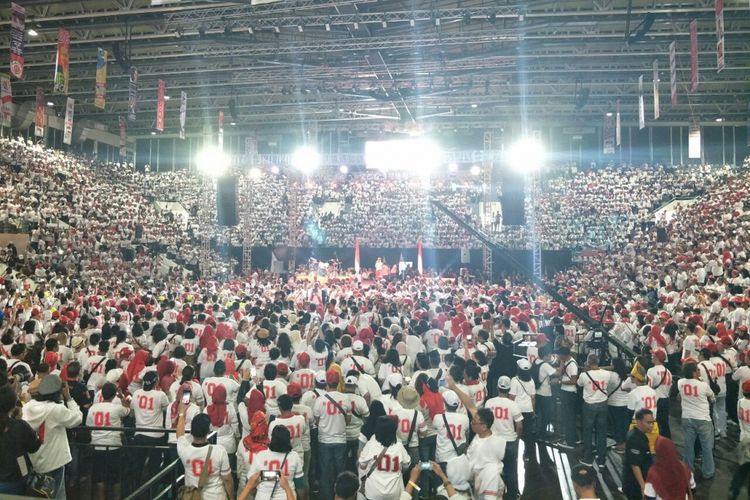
302, 373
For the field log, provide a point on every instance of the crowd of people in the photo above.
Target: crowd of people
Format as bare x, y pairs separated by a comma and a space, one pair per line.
382, 389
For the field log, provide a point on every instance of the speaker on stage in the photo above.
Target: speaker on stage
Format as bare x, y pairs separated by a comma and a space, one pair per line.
513, 198
226, 201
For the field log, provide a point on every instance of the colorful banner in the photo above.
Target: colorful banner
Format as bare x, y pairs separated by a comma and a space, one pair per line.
419, 256
160, 106
17, 41
68, 128
100, 97
183, 113
608, 134
62, 62
641, 107
673, 72
221, 130
618, 126
39, 117
719, 35
6, 105
123, 138
132, 93
356, 255
694, 55
694, 140
656, 89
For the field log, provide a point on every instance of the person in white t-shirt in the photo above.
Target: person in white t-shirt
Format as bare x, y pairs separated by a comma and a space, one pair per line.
508, 424
382, 461
331, 417
660, 379
523, 392
450, 421
594, 381
742, 475
295, 424
567, 377
279, 458
303, 375
210, 383
107, 444
195, 456
544, 409
149, 405
695, 396
272, 388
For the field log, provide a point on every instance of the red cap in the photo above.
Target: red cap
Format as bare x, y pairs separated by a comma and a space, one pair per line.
332, 377
241, 349
726, 340
282, 369
294, 390
659, 354
303, 359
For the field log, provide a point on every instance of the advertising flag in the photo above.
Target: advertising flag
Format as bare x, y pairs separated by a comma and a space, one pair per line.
719, 35
62, 62
160, 106
694, 140
693, 55
17, 41
673, 72
356, 255
618, 126
100, 96
68, 128
641, 107
419, 256
6, 106
183, 113
656, 89
132, 93
609, 134
39, 116
123, 138
221, 130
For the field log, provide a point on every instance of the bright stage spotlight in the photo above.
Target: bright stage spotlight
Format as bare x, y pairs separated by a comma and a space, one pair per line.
254, 173
475, 170
344, 169
526, 155
212, 161
306, 159
275, 170
453, 167
416, 155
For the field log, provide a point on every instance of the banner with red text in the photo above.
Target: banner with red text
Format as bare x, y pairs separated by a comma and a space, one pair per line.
694, 140
719, 35
656, 89
100, 96
62, 61
673, 72
160, 93
641, 106
693, 55
17, 40
68, 127
39, 115
6, 105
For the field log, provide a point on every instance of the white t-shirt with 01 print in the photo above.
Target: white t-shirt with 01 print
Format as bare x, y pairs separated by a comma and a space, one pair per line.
268, 460
194, 459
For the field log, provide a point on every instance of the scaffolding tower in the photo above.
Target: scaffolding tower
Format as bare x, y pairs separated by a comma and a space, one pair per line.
487, 198
293, 221
533, 192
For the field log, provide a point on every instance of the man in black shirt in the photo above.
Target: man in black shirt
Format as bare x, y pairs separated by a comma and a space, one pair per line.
637, 455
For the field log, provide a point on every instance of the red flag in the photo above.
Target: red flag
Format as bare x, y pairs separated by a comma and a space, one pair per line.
419, 256
356, 255
694, 55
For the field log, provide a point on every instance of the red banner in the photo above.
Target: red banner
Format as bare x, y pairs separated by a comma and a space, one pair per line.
694, 55
719, 35
673, 72
17, 40
39, 117
62, 64
160, 106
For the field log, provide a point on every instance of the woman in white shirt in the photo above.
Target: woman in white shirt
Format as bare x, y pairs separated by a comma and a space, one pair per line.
382, 461
523, 392
278, 457
224, 420
669, 478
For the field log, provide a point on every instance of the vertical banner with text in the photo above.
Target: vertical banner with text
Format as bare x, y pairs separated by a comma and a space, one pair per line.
123, 138
100, 97
618, 126
62, 61
673, 72
39, 115
6, 105
694, 140
608, 134
719, 35
641, 106
221, 130
656, 89
183, 113
132, 93
160, 106
17, 40
68, 128
693, 55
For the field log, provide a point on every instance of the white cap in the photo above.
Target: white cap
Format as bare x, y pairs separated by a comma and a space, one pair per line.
114, 375
523, 364
503, 383
320, 377
358, 345
450, 398
351, 380
394, 379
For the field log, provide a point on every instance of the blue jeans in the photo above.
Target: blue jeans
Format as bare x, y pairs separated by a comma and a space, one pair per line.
595, 420
568, 401
331, 463
510, 468
702, 430
13, 487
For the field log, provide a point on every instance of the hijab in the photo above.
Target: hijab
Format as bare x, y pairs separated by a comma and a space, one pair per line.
432, 401
257, 439
217, 410
255, 402
669, 475
136, 365
165, 369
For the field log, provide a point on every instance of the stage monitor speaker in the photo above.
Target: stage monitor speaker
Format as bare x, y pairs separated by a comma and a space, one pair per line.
226, 201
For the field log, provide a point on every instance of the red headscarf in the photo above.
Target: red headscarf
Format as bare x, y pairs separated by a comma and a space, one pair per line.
165, 369
655, 334
231, 370
432, 401
255, 402
257, 439
208, 336
136, 365
217, 410
669, 475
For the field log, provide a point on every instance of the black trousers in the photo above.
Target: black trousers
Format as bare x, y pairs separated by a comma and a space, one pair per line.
662, 417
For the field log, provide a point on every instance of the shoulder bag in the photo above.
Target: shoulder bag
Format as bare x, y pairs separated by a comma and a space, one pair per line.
196, 492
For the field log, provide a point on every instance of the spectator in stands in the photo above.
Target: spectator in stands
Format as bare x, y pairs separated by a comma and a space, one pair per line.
17, 438
696, 396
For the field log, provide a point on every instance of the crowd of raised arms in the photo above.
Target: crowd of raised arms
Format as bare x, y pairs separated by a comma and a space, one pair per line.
399, 388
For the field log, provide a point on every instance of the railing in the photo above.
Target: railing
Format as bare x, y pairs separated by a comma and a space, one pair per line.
163, 487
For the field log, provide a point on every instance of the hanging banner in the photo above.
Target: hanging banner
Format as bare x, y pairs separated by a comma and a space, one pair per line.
419, 256
221, 130
694, 140
608, 134
618, 126
673, 72
101, 79
62, 62
656, 89
132, 93
68, 128
183, 113
694, 55
356, 255
17, 41
123, 138
39, 117
6, 105
719, 35
641, 107
160, 106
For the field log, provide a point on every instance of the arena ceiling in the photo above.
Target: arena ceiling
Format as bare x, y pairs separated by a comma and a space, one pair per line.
376, 63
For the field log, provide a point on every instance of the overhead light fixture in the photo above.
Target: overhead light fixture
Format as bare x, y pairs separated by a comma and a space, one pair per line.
166, 98
276, 29
412, 22
453, 167
32, 32
437, 21
385, 23
356, 25
153, 132
274, 170
475, 170
50, 103
720, 119
526, 155
609, 114
306, 159
233, 123
344, 169
474, 105
250, 30
328, 26
255, 173
212, 161
300, 28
